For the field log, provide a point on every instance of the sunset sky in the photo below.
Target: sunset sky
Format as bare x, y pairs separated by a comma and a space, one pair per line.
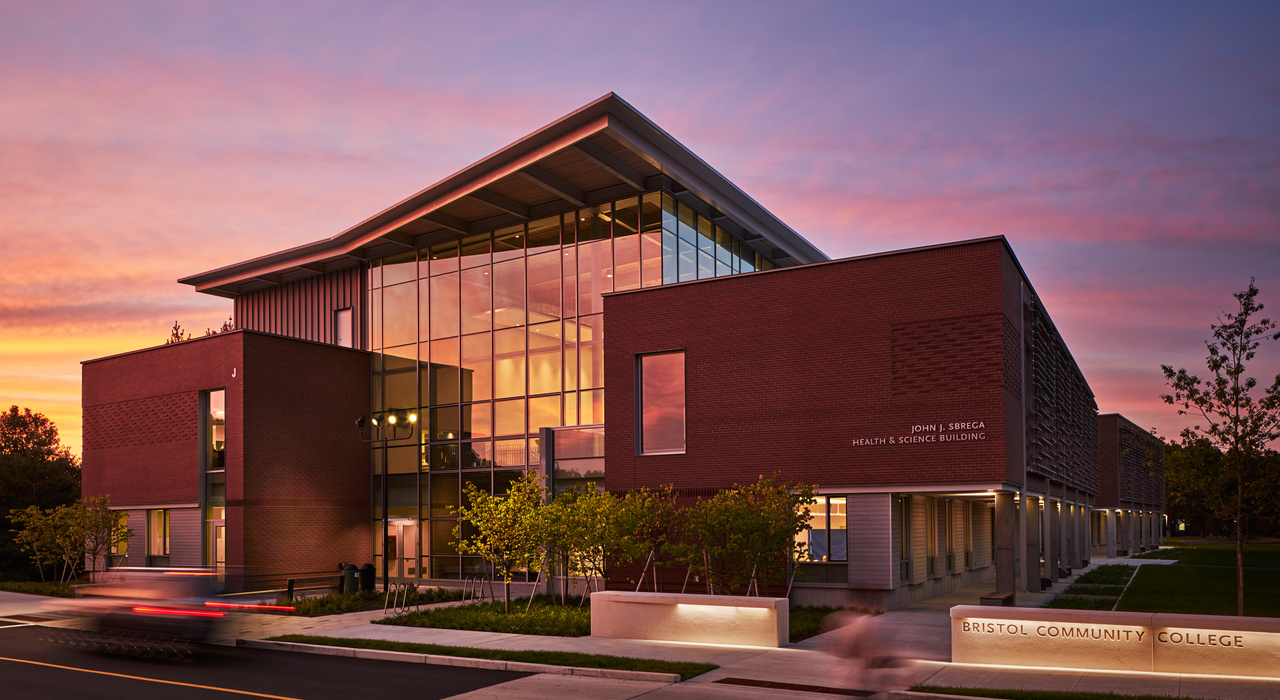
1130, 152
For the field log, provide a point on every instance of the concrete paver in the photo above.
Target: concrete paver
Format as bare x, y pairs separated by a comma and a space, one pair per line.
549, 687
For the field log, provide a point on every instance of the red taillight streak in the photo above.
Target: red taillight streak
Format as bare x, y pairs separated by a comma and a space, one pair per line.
249, 606
172, 611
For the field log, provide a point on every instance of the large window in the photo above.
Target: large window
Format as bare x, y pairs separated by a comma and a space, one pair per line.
826, 539
158, 536
500, 333
216, 431
120, 548
662, 403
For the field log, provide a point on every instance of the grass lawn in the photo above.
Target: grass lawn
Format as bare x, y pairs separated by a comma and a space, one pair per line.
807, 620
337, 603
1114, 591
686, 669
1067, 602
1202, 590
545, 617
1109, 574
1034, 694
59, 590
1263, 555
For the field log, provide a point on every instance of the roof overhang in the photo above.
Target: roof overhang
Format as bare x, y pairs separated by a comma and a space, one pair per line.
600, 152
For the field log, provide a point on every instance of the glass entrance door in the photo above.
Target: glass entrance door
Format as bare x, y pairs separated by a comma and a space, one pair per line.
404, 548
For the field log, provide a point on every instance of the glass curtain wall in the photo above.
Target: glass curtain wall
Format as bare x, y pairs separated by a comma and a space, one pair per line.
496, 335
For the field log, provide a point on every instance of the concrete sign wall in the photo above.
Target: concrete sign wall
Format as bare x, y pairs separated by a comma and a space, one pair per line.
673, 617
1116, 641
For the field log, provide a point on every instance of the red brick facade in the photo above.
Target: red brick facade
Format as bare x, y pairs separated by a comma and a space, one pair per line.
786, 369
297, 474
1130, 465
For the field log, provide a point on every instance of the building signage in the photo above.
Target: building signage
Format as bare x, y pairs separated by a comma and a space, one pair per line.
1117, 641
962, 431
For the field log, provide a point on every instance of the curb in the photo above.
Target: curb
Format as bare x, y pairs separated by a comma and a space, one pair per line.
459, 661
913, 695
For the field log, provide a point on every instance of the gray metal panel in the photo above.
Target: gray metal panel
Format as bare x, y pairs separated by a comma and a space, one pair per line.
872, 563
185, 537
305, 308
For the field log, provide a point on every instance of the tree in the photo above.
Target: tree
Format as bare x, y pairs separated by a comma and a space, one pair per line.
582, 526
177, 334
36, 469
649, 522
103, 529
1235, 422
506, 526
747, 533
35, 535
227, 325
1197, 486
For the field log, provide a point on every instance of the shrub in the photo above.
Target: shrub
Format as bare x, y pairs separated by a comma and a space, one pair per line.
339, 603
544, 617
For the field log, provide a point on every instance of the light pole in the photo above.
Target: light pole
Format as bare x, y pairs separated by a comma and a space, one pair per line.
384, 428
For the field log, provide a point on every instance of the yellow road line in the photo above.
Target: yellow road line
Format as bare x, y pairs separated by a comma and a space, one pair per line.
150, 680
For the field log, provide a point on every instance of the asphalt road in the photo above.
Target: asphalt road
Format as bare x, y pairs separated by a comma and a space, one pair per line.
32, 668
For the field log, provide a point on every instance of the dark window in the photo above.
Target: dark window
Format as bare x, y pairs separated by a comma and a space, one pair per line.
662, 403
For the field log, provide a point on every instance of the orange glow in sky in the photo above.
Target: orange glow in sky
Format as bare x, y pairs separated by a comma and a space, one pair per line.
1127, 152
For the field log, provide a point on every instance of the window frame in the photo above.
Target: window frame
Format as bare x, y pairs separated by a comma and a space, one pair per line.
639, 403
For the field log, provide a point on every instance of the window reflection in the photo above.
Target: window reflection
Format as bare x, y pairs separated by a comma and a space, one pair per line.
662, 414
544, 358
508, 243
476, 372
399, 268
508, 294
444, 258
475, 251
595, 275
510, 453
444, 371
570, 355
477, 300
544, 286
445, 306
544, 234
400, 304
544, 412
594, 223
508, 365
508, 417
591, 352
476, 421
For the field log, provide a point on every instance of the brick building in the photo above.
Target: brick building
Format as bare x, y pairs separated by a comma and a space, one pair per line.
1130, 507
926, 392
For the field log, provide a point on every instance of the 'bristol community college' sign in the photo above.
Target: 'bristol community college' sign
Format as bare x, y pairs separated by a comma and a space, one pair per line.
1115, 641
962, 431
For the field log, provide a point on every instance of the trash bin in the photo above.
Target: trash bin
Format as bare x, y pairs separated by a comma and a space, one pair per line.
367, 578
348, 579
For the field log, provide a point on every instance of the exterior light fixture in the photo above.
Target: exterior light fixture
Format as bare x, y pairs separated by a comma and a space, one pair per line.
380, 435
